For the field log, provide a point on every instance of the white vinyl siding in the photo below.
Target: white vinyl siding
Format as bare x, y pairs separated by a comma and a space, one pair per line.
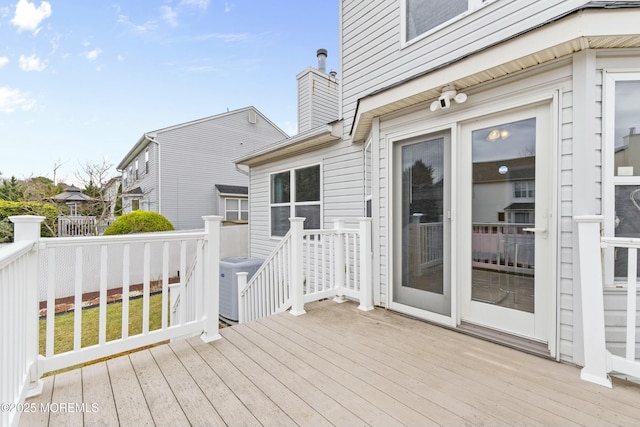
373, 56
318, 99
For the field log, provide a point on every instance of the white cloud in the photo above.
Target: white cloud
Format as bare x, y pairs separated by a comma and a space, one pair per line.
169, 15
93, 54
28, 16
120, 58
142, 28
227, 7
13, 99
31, 63
86, 44
225, 37
202, 4
3, 61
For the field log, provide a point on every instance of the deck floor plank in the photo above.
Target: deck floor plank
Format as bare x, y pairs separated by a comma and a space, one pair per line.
454, 392
358, 382
195, 405
323, 403
67, 389
231, 409
131, 406
280, 349
299, 410
96, 387
260, 405
532, 372
163, 405
335, 365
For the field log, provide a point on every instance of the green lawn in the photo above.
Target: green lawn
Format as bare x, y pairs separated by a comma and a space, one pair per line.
63, 331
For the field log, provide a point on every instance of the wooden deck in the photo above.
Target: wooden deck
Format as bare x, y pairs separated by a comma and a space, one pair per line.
333, 366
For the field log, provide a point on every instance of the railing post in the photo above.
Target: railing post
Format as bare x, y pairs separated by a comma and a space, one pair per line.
596, 359
242, 283
211, 282
295, 266
339, 260
27, 227
366, 285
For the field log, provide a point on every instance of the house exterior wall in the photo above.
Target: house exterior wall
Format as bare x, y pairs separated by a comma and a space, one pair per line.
342, 191
147, 179
374, 55
196, 157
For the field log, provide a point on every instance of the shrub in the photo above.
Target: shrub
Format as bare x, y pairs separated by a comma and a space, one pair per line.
138, 222
7, 209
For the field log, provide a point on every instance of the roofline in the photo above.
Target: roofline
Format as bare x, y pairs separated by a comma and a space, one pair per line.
151, 135
321, 134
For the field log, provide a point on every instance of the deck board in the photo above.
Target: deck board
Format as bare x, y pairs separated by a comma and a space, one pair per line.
337, 366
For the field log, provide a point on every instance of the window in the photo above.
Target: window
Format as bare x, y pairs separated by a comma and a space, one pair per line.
136, 168
135, 204
124, 178
422, 16
367, 180
146, 161
236, 209
524, 190
295, 192
131, 173
621, 193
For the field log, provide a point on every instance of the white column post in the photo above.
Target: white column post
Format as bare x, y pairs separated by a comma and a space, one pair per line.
27, 227
242, 283
211, 282
366, 282
339, 260
296, 260
596, 358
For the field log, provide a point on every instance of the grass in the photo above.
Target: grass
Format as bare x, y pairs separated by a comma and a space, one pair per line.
64, 328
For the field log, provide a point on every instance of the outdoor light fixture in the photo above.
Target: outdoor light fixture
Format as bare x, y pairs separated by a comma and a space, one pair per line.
449, 94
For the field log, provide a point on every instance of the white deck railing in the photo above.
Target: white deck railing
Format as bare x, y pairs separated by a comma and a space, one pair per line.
70, 226
598, 360
310, 265
20, 365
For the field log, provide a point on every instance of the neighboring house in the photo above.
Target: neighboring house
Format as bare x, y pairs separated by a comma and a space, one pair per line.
174, 171
428, 92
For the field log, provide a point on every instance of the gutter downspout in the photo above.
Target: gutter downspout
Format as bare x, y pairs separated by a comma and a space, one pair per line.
152, 139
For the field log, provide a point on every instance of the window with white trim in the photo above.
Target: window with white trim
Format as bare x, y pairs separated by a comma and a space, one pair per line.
621, 190
295, 193
137, 169
422, 16
236, 209
146, 161
124, 178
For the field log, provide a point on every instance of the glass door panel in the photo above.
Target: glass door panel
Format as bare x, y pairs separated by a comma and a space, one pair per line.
503, 213
420, 229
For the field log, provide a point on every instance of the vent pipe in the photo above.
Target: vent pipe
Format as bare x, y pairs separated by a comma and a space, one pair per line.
322, 60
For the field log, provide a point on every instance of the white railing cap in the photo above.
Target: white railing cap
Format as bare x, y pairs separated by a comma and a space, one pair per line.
588, 218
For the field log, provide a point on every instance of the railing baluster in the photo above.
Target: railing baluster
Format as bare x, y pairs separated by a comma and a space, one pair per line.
77, 301
199, 284
51, 301
184, 301
632, 282
102, 324
126, 263
165, 285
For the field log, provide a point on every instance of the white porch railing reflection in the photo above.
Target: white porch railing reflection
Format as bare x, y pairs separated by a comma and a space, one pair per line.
598, 360
310, 265
505, 247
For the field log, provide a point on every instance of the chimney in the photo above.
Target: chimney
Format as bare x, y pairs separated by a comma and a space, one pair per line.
322, 60
632, 131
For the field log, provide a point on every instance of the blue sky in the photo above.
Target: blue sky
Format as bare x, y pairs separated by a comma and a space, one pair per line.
81, 81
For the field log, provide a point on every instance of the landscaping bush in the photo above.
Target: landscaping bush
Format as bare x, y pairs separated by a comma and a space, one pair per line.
8, 208
138, 222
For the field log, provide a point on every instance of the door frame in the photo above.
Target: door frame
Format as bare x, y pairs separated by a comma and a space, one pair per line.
534, 326
421, 122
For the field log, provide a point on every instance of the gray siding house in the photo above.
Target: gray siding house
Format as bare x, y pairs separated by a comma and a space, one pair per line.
542, 95
185, 171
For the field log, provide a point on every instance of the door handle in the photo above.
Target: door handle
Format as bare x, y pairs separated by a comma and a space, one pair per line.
535, 230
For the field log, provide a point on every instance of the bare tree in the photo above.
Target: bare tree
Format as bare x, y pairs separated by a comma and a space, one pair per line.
95, 178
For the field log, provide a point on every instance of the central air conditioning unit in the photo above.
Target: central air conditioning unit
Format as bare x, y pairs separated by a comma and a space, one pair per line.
229, 267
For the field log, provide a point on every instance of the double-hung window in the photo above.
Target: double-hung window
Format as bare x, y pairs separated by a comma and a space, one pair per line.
422, 16
621, 192
295, 193
146, 161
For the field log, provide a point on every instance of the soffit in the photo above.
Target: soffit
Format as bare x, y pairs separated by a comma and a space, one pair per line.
545, 44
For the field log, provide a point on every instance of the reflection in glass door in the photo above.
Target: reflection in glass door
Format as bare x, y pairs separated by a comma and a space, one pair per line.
503, 215
420, 229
